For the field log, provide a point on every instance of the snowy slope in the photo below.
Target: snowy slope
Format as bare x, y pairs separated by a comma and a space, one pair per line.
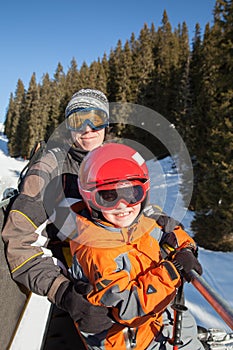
164, 184
9, 167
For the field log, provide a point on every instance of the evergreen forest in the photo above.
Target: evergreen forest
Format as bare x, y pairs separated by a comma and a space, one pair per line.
191, 85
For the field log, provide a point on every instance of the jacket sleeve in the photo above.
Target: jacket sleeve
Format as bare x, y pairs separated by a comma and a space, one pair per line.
177, 239
173, 231
31, 262
130, 299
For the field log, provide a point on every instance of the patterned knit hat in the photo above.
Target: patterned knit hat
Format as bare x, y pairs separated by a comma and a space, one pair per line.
87, 98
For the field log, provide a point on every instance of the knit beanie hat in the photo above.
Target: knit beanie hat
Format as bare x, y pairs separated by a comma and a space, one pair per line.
87, 98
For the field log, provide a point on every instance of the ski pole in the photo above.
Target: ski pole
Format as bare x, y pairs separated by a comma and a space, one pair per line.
213, 298
178, 307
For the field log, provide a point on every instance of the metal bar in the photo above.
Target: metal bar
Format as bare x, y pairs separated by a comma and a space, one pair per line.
214, 299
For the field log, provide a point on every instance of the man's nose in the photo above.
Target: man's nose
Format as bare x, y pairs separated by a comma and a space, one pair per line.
86, 128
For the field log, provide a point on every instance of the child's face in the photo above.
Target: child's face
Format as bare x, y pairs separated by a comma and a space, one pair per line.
122, 215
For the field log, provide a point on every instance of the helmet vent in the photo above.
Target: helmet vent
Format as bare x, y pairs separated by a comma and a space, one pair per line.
138, 158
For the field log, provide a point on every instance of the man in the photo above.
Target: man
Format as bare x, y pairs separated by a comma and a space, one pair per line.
34, 228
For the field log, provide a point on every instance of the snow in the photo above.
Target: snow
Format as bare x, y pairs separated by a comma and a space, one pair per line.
165, 182
10, 167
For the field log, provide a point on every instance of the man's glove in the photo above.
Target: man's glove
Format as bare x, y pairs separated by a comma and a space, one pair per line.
185, 261
90, 318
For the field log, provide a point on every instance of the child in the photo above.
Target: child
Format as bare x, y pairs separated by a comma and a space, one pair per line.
117, 250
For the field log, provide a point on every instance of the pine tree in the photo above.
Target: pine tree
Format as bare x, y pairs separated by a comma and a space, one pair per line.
135, 81
113, 79
9, 117
120, 74
180, 97
57, 95
84, 75
165, 58
44, 106
17, 126
214, 210
72, 79
105, 73
97, 76
124, 74
144, 65
102, 75
202, 118
31, 118
195, 84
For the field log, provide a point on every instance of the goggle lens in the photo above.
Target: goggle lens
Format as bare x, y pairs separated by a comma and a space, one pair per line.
110, 198
96, 118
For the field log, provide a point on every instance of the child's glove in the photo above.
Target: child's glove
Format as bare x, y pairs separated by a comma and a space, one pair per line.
185, 261
90, 318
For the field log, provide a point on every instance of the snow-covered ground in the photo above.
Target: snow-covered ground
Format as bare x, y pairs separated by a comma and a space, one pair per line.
217, 266
9, 167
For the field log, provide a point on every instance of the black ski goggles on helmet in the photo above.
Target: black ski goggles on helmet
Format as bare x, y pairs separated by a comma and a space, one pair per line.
96, 118
109, 196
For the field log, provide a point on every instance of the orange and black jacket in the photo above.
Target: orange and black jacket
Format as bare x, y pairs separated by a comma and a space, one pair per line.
128, 274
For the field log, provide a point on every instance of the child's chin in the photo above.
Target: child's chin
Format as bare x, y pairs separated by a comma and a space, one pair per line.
124, 222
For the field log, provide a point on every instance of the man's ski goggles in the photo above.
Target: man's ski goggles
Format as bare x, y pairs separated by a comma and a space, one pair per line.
96, 118
109, 196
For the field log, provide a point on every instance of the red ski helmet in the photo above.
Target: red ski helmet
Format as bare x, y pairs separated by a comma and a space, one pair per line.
116, 167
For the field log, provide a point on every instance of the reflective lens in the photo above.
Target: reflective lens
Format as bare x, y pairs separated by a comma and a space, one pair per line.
96, 118
110, 198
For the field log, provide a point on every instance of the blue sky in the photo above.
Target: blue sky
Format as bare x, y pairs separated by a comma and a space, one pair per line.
36, 35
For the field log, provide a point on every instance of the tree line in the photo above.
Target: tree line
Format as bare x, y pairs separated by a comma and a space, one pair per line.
190, 85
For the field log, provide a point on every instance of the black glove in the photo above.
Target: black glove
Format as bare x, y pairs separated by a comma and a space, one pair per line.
90, 318
185, 261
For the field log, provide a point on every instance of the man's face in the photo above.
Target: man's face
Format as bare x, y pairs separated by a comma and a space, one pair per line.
88, 139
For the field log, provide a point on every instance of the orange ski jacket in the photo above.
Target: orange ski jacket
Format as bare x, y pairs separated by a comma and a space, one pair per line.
128, 275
